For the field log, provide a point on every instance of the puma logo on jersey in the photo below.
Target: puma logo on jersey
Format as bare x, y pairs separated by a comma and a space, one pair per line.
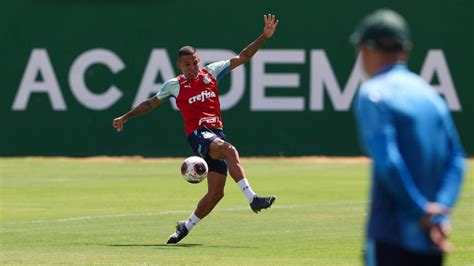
202, 96
188, 86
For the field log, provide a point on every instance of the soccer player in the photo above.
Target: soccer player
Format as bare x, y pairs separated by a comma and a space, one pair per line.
197, 98
417, 158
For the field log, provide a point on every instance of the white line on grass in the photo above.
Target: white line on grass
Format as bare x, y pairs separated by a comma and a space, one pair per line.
121, 215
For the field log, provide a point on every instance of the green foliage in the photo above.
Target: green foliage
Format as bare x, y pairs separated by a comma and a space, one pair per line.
82, 211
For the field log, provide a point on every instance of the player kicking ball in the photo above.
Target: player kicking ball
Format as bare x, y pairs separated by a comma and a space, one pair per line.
197, 98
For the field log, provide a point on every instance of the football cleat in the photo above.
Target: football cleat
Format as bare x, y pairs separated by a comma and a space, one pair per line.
259, 203
181, 232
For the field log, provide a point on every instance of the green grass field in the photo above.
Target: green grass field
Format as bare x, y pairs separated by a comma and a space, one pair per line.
84, 211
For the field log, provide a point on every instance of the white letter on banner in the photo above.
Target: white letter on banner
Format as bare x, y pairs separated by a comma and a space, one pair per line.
78, 85
261, 80
237, 76
435, 63
322, 74
158, 61
39, 63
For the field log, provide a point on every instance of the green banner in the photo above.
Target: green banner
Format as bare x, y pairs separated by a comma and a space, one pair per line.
69, 67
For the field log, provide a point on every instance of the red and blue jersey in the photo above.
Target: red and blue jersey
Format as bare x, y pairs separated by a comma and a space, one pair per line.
198, 98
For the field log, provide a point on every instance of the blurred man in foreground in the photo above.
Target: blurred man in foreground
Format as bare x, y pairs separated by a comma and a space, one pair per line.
418, 162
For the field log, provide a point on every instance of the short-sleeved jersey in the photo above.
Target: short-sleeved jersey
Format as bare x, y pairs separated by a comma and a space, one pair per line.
198, 98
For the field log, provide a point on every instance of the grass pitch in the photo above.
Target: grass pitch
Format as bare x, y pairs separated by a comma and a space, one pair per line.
121, 211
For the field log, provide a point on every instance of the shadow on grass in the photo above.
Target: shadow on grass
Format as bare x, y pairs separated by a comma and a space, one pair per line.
174, 246
156, 245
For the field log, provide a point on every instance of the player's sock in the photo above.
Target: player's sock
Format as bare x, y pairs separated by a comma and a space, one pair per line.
192, 221
244, 185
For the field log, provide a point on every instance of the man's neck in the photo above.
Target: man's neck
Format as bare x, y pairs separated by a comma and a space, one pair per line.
386, 67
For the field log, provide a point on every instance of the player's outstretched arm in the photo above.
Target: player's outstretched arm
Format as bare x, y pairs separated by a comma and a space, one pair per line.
143, 108
270, 26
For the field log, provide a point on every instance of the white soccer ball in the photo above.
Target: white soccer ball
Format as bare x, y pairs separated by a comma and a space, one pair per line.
194, 169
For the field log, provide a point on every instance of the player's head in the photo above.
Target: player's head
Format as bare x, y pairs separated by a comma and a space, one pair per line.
188, 61
382, 38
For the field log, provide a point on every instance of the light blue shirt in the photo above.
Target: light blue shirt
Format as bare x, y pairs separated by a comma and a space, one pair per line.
407, 129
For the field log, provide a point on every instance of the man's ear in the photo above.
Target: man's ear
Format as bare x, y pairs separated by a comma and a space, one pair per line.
199, 60
177, 64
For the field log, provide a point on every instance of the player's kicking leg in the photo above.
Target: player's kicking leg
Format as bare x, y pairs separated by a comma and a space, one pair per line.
258, 203
224, 150
221, 156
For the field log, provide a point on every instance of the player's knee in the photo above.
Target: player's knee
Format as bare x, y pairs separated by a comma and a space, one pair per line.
229, 151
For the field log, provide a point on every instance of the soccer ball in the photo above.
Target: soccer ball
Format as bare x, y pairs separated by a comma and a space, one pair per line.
194, 169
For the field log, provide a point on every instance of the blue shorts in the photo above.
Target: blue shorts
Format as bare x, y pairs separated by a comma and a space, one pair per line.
200, 140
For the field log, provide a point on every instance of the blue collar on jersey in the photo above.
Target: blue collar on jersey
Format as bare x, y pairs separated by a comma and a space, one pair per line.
390, 67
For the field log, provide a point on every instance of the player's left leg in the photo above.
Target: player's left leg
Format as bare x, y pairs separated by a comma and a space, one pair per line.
200, 142
215, 192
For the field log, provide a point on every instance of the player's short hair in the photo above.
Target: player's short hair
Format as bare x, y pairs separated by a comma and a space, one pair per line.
186, 50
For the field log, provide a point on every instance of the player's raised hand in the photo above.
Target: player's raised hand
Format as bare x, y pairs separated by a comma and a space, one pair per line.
118, 123
270, 25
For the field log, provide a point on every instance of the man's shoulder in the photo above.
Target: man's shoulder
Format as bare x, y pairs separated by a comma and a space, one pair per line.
378, 90
168, 89
171, 82
369, 86
217, 66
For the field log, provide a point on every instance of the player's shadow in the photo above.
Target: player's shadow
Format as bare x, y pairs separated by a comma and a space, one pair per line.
156, 245
174, 246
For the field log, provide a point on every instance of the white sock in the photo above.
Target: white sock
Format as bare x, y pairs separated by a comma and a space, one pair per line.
192, 221
244, 185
